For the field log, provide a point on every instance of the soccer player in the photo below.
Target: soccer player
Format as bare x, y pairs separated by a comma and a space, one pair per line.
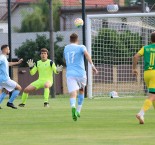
6, 84
45, 68
76, 74
148, 53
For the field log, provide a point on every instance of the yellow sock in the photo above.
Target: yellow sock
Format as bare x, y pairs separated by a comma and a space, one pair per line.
153, 103
46, 94
147, 105
24, 97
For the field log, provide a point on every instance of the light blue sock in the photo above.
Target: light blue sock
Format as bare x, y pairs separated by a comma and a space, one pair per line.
2, 96
15, 93
80, 102
73, 102
80, 99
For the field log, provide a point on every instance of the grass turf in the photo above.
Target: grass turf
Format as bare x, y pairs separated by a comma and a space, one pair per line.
103, 122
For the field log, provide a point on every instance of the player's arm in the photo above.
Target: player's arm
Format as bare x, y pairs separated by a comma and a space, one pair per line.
16, 63
33, 70
136, 59
32, 66
57, 69
88, 57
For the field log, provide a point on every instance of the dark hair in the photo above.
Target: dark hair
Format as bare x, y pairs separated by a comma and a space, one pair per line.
153, 37
44, 50
4, 46
73, 37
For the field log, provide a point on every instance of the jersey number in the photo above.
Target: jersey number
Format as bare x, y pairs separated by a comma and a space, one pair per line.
70, 56
152, 57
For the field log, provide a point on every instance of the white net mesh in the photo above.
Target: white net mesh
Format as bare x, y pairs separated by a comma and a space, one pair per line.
114, 41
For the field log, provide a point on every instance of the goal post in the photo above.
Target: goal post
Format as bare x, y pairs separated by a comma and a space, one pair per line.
112, 41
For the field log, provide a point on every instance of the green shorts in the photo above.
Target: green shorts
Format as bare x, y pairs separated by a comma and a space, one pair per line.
38, 84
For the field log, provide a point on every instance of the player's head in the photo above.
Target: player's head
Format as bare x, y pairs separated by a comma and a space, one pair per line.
74, 38
44, 54
5, 49
153, 37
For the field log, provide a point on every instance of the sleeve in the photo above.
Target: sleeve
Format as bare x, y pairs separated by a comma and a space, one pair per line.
54, 68
33, 70
141, 51
83, 48
1, 60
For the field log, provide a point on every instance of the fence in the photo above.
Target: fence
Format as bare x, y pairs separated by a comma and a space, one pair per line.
19, 38
113, 78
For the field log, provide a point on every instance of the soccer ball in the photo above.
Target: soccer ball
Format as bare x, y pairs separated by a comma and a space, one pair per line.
113, 94
78, 22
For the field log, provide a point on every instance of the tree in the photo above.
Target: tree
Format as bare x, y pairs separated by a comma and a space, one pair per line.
33, 22
115, 47
38, 20
127, 2
31, 49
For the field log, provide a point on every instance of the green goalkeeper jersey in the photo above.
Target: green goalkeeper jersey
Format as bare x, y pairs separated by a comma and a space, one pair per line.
45, 70
148, 52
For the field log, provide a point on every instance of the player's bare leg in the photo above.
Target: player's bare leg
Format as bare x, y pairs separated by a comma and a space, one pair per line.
146, 106
80, 101
46, 93
29, 89
25, 94
18, 87
73, 104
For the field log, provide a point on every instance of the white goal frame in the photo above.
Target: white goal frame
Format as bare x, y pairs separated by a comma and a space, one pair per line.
89, 38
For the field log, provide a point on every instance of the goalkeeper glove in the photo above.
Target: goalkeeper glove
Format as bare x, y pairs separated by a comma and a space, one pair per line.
59, 68
30, 63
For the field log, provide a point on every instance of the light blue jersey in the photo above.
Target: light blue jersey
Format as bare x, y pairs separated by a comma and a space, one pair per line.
4, 69
74, 56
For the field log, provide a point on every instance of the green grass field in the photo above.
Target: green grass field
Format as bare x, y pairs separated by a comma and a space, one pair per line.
103, 122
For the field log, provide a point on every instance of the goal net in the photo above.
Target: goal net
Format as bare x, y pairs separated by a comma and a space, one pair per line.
112, 40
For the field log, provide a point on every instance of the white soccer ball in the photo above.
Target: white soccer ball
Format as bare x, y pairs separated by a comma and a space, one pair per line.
113, 94
78, 22
112, 8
